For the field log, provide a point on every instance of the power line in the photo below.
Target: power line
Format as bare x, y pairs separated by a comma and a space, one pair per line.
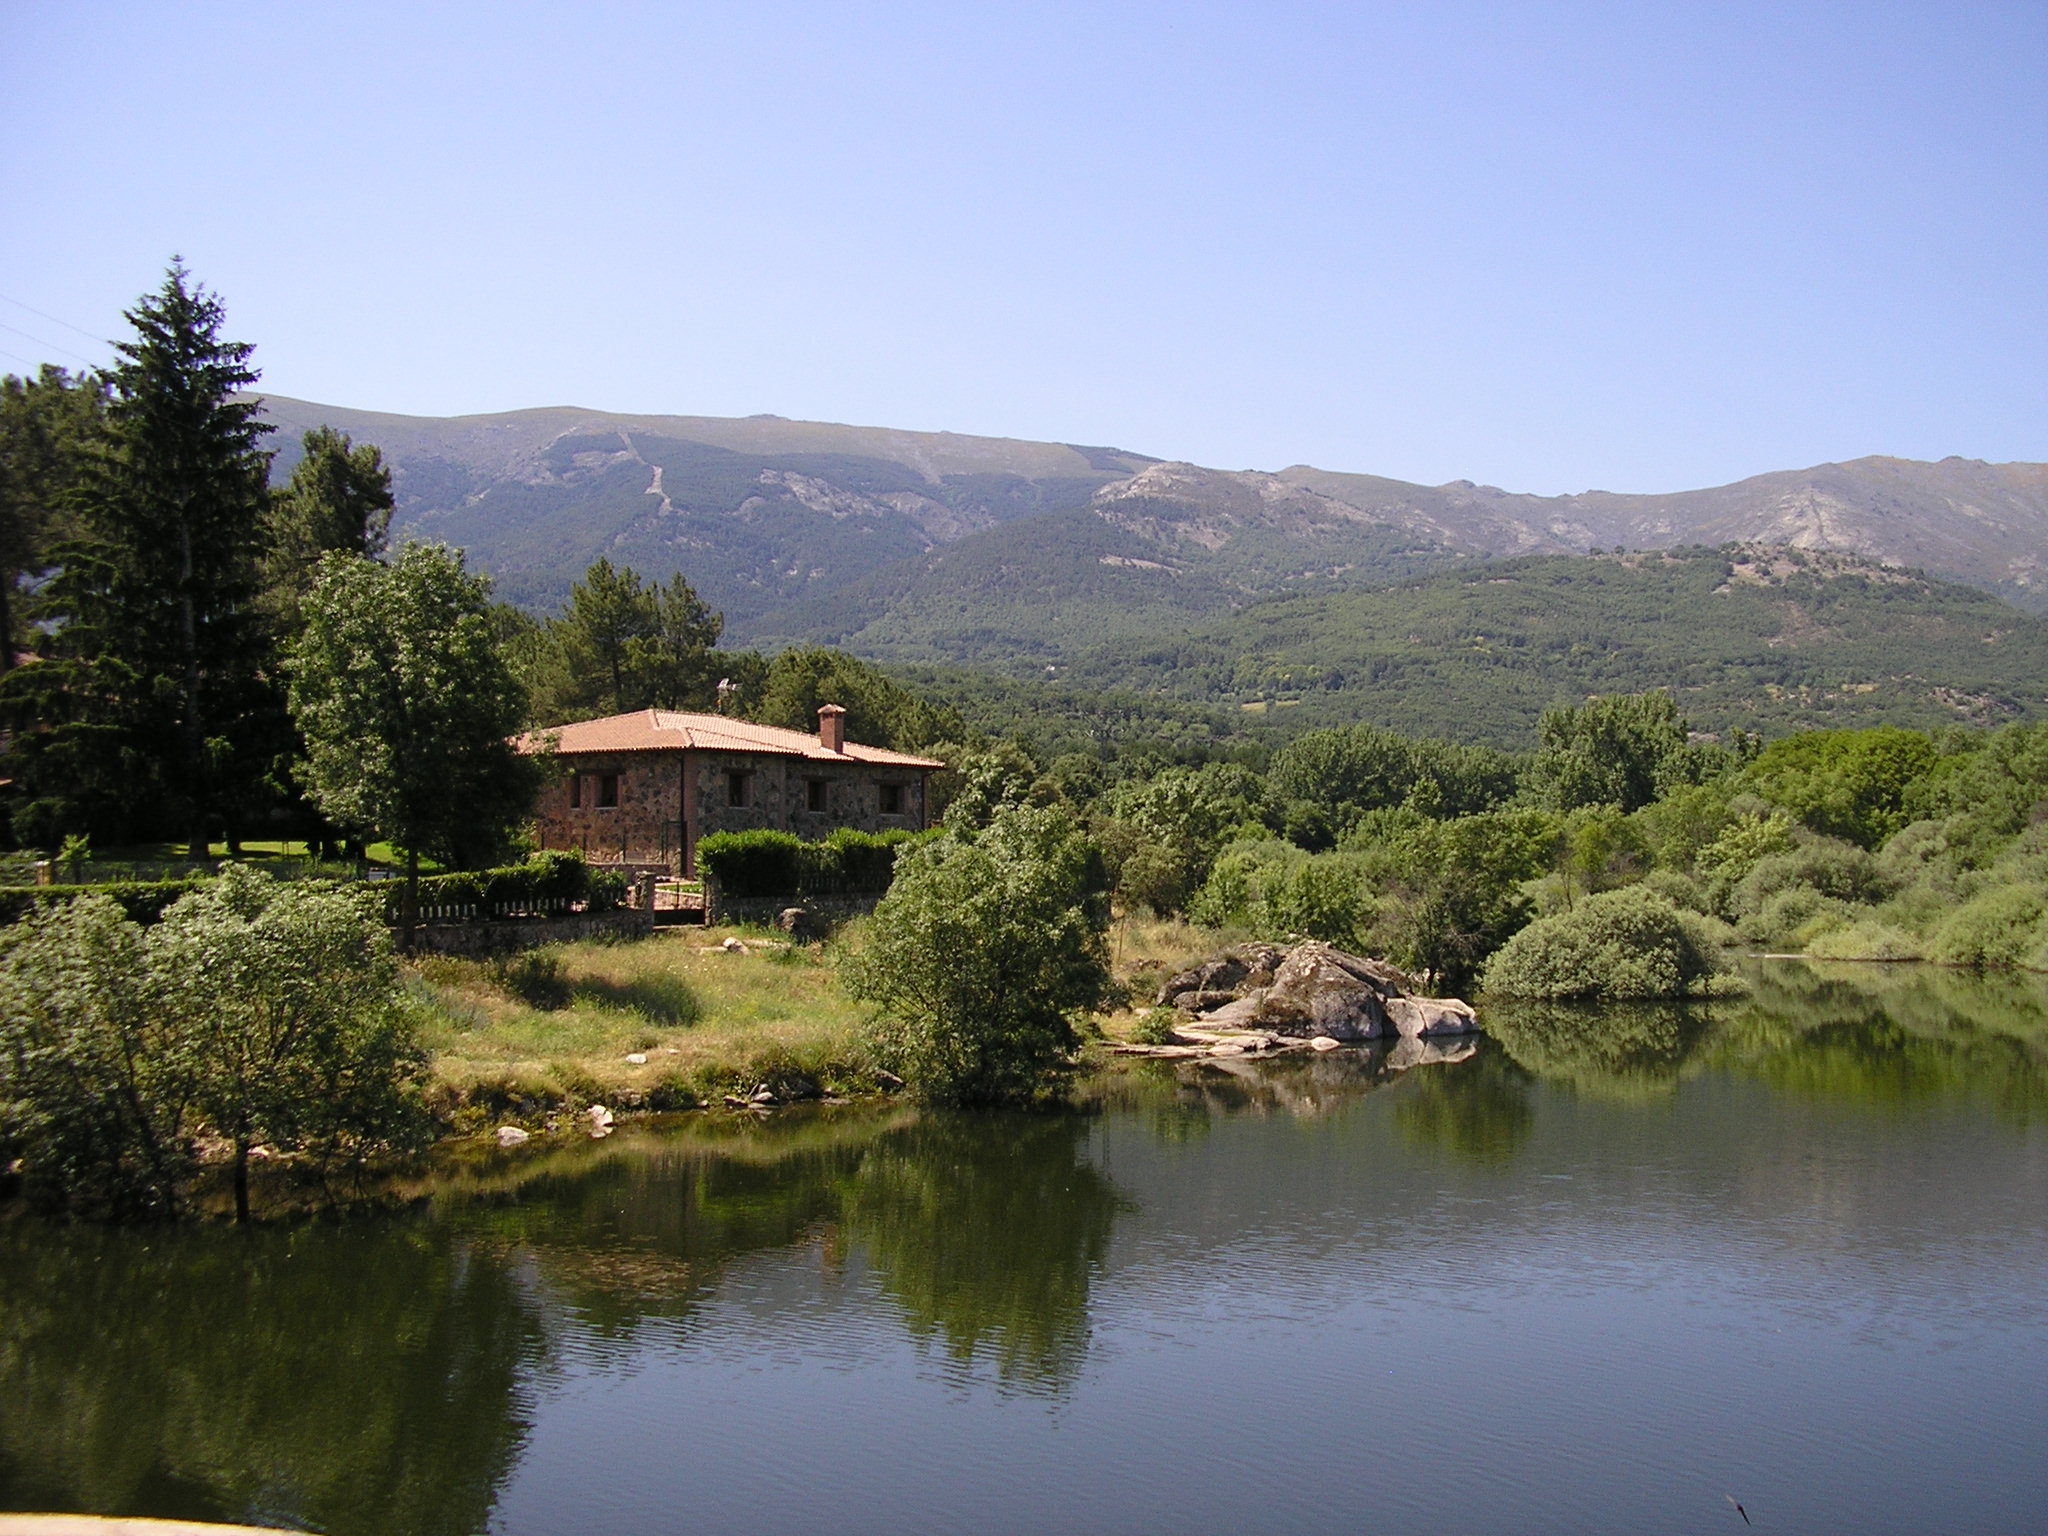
17, 330
25, 362
39, 314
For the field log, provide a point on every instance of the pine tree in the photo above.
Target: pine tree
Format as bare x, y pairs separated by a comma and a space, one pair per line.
625, 644
153, 696
338, 498
47, 423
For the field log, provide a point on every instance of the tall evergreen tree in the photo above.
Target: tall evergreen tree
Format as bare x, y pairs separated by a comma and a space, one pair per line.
154, 687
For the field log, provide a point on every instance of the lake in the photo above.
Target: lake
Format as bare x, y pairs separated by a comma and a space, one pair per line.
1605, 1273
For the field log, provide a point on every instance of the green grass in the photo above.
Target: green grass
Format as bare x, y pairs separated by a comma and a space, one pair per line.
708, 1020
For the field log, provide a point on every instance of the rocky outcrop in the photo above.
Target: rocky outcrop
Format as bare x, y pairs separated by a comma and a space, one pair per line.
1311, 991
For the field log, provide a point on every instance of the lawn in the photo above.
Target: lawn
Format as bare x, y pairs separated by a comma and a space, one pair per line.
559, 1023
524, 1035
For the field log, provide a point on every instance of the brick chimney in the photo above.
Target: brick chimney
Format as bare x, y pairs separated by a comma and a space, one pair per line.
831, 727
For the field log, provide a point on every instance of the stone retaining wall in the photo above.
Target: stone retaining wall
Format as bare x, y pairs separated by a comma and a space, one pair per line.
763, 910
504, 935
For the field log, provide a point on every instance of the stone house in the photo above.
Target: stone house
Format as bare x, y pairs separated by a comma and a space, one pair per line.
643, 788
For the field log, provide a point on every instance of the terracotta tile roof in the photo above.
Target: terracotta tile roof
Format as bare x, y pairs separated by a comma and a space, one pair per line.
668, 730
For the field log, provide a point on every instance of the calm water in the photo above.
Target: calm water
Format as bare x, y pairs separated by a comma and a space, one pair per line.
1595, 1277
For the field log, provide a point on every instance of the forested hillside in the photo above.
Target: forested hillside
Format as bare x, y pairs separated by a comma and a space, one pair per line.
756, 513
1763, 638
950, 547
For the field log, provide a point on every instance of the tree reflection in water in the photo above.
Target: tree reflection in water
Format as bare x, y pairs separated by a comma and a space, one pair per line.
1478, 1111
375, 1375
1876, 1036
358, 1379
986, 1231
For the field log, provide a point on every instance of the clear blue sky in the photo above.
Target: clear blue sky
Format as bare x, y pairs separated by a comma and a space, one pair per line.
1546, 246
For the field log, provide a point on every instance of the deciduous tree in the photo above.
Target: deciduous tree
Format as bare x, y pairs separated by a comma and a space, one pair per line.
407, 708
982, 954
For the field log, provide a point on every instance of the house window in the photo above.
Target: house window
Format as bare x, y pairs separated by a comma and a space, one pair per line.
607, 791
892, 799
575, 791
814, 795
739, 787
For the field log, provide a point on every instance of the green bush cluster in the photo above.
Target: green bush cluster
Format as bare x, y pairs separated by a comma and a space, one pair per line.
770, 863
981, 957
254, 1013
1626, 944
141, 901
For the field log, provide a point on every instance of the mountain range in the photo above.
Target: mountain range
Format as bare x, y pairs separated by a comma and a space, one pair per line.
1107, 568
761, 512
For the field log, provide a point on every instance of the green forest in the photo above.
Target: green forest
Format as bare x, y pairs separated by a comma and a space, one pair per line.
1763, 638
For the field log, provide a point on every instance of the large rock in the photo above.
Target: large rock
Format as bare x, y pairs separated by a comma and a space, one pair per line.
1312, 990
1416, 1017
1320, 990
1216, 982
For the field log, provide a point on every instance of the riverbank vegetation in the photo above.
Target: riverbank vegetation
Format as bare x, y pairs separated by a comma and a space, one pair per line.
256, 1019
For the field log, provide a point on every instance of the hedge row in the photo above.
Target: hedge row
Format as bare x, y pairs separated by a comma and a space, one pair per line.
143, 900
781, 864
545, 881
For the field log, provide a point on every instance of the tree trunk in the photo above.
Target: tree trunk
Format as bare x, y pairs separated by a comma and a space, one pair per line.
195, 720
409, 910
242, 1179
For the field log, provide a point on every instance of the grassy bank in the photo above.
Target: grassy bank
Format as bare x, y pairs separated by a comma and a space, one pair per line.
519, 1037
531, 1035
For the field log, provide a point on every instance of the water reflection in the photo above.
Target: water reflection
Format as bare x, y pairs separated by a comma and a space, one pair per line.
1480, 1113
1621, 1051
1878, 1036
986, 1234
345, 1379
385, 1375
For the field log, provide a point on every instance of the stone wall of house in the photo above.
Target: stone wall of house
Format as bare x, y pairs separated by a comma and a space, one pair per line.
777, 793
646, 825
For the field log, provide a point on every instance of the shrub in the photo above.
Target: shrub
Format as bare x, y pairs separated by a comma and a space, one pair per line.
534, 976
264, 1012
755, 863
1629, 943
93, 1081
2002, 927
140, 901
288, 999
981, 955
1319, 898
1792, 917
1868, 938
1837, 870
861, 861
552, 876
604, 891
1156, 1026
